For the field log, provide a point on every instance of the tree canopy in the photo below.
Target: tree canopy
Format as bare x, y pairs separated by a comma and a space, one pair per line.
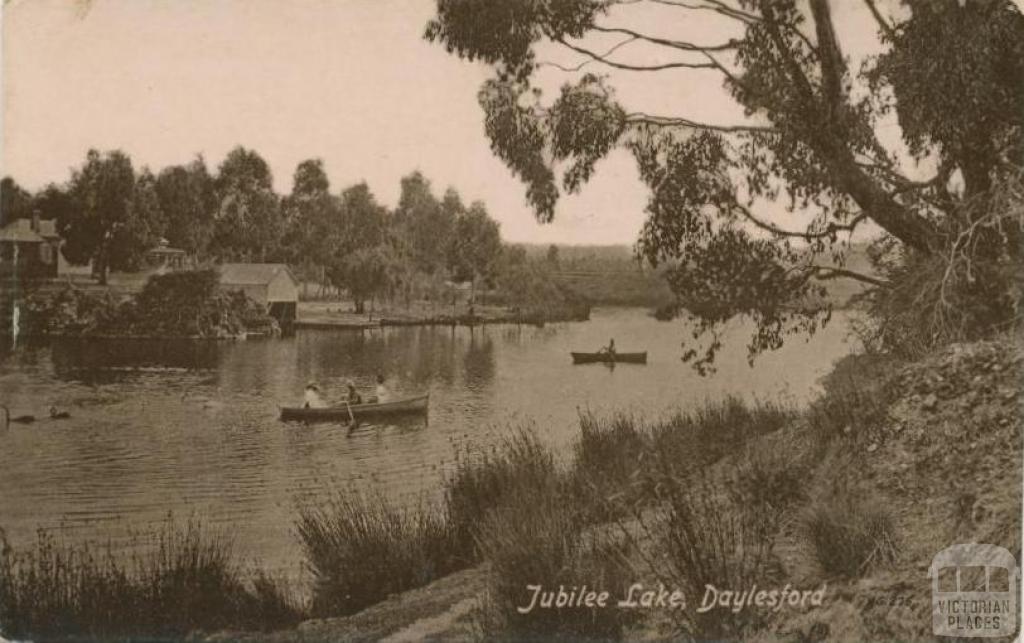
952, 72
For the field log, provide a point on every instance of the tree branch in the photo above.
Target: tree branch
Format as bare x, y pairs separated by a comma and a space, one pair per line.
675, 44
713, 5
825, 273
611, 63
676, 121
887, 28
587, 62
829, 231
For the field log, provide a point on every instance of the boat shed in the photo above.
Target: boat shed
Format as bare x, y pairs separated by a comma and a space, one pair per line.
272, 285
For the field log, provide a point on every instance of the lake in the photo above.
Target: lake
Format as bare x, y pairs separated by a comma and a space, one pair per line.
192, 429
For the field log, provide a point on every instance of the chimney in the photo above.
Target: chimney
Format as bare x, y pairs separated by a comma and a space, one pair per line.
35, 221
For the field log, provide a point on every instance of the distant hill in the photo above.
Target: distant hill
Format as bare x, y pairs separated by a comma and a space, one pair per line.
611, 275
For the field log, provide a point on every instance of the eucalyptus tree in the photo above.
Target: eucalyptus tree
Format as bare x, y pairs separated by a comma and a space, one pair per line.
112, 218
189, 204
248, 224
952, 72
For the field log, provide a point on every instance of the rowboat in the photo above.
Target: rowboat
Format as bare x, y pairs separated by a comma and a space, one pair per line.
609, 358
408, 406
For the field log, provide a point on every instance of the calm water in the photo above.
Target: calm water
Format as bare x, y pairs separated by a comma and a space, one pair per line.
192, 428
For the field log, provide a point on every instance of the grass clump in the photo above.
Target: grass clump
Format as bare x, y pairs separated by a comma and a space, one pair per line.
184, 578
849, 534
712, 540
361, 549
520, 467
539, 540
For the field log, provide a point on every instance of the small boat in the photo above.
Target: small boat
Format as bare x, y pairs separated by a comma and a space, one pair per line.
609, 358
340, 412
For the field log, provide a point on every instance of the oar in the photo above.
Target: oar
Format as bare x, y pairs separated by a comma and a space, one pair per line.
351, 417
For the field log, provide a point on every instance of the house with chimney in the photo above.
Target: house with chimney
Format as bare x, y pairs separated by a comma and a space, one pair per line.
31, 249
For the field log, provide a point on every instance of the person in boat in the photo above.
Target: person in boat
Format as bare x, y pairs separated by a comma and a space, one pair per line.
383, 394
353, 395
610, 348
312, 397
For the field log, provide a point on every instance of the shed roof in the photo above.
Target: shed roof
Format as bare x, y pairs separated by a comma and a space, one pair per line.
253, 273
20, 230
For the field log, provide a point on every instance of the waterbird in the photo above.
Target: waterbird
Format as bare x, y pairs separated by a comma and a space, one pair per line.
58, 415
21, 419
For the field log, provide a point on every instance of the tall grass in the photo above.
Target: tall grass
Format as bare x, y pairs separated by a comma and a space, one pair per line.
540, 540
710, 539
184, 578
361, 549
848, 534
520, 466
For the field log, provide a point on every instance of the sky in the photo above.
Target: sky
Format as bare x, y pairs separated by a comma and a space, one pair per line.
349, 81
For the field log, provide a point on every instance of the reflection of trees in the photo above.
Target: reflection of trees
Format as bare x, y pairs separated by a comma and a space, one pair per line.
479, 360
94, 359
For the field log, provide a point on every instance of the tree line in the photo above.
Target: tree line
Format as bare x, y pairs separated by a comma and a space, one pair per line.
111, 214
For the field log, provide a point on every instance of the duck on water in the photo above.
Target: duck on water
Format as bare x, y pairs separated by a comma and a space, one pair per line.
28, 419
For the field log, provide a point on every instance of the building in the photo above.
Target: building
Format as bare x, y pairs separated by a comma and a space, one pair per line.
29, 248
271, 285
167, 259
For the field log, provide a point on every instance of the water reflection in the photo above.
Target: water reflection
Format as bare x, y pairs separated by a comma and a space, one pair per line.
192, 427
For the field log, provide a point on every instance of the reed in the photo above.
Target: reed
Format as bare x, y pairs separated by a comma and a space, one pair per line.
183, 578
519, 467
363, 548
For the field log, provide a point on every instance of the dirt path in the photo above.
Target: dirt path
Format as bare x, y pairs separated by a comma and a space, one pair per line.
438, 611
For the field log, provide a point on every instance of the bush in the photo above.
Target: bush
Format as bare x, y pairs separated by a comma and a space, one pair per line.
712, 540
848, 534
186, 580
857, 396
605, 474
968, 289
363, 549
520, 467
703, 436
539, 540
772, 478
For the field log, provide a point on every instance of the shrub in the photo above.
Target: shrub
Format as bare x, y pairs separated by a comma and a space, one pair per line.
712, 540
609, 455
856, 396
539, 540
771, 477
969, 289
362, 549
520, 467
182, 579
848, 534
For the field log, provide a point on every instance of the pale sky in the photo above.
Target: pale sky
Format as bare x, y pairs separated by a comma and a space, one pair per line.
349, 81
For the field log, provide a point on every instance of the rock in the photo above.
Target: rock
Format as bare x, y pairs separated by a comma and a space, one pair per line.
872, 447
930, 402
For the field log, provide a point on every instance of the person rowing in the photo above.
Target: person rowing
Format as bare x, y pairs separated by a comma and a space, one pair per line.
610, 348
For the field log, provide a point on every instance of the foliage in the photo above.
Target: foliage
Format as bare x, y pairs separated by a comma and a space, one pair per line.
424, 225
711, 540
538, 539
248, 224
809, 142
177, 304
180, 579
477, 244
848, 533
113, 219
520, 467
15, 202
973, 287
361, 549
188, 201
